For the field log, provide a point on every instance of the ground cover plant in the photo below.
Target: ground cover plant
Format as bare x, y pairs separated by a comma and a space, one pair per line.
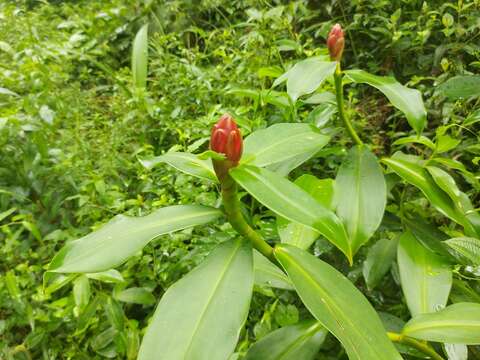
275, 187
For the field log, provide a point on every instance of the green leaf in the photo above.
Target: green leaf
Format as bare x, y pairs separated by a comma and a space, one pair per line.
337, 304
419, 177
124, 236
135, 295
282, 142
409, 101
200, 316
465, 249
456, 324
462, 86
294, 342
291, 202
185, 162
297, 234
360, 194
267, 274
426, 279
306, 76
81, 291
379, 260
416, 139
140, 57
109, 276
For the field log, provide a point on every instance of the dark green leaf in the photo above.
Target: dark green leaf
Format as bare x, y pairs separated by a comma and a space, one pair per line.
379, 260
462, 86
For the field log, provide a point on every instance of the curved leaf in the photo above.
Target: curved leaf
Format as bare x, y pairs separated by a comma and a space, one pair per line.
456, 324
306, 76
267, 274
201, 315
297, 234
296, 342
361, 195
185, 162
140, 57
282, 142
462, 86
379, 260
426, 279
465, 249
123, 236
337, 304
291, 202
409, 101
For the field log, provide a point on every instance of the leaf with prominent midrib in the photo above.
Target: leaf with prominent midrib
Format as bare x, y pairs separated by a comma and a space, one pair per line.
361, 195
201, 315
124, 236
426, 279
185, 162
456, 324
291, 202
409, 101
282, 143
295, 342
337, 304
465, 249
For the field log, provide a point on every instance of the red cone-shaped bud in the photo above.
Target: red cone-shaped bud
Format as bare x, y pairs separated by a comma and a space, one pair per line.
226, 139
336, 42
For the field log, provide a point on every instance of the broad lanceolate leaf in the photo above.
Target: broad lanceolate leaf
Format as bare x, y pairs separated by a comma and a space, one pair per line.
296, 342
361, 195
124, 236
426, 279
297, 234
419, 177
337, 304
306, 76
409, 101
268, 274
456, 324
186, 162
465, 249
200, 316
463, 86
140, 57
291, 202
379, 260
282, 142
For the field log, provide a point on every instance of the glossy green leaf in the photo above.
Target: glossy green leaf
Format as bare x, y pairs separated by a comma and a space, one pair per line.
456, 324
462, 86
185, 162
379, 260
291, 202
465, 249
297, 234
360, 194
268, 274
108, 276
420, 178
337, 304
461, 201
409, 101
135, 295
295, 342
306, 76
124, 236
426, 279
200, 316
282, 142
140, 57
417, 140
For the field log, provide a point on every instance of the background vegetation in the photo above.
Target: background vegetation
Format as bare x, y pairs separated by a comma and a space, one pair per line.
72, 126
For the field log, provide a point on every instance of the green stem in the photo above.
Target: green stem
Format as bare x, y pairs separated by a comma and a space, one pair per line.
340, 105
420, 346
233, 211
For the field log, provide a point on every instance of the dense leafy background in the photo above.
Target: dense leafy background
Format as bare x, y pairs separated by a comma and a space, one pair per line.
72, 127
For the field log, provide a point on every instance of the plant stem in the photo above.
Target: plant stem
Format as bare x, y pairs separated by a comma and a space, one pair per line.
233, 211
340, 105
420, 346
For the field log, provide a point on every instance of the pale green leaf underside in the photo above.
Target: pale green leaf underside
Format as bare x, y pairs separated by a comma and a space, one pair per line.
337, 304
200, 316
268, 274
140, 57
124, 236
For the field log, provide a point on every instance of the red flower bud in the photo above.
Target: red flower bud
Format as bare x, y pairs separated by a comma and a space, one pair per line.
226, 139
336, 42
